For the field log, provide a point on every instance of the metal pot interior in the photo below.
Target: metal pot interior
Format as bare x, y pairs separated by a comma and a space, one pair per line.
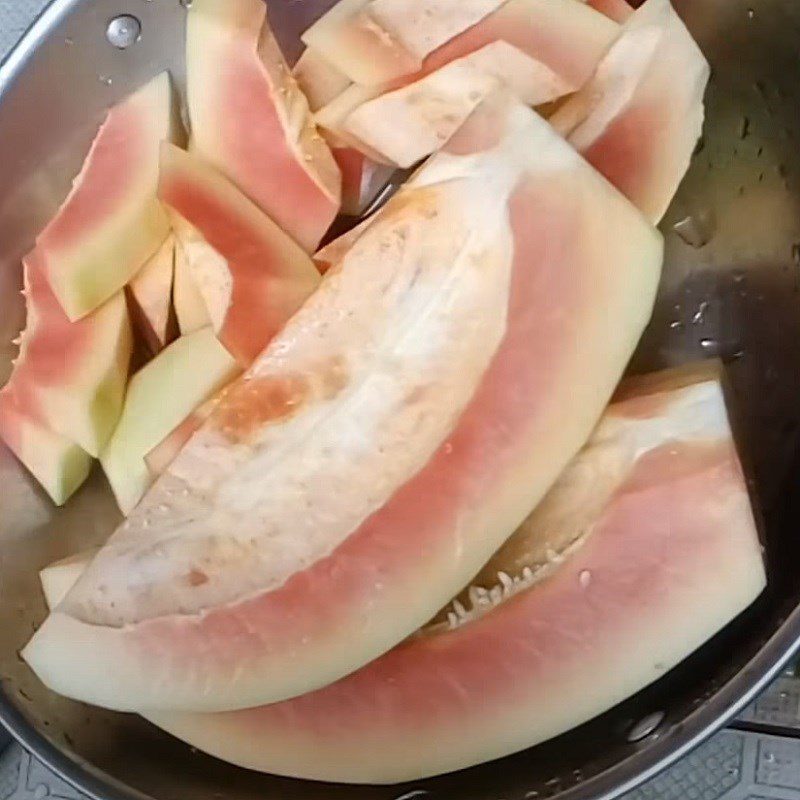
731, 289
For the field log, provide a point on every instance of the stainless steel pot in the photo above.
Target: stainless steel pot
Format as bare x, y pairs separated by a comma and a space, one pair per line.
731, 288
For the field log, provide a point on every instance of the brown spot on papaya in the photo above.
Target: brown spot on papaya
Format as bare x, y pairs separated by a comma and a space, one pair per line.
251, 404
197, 578
333, 377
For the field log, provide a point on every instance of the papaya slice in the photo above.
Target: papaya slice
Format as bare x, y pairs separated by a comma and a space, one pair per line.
111, 222
645, 547
566, 36
251, 121
251, 275
150, 298
71, 375
408, 124
639, 118
375, 42
385, 443
160, 396
59, 465
318, 79
408, 119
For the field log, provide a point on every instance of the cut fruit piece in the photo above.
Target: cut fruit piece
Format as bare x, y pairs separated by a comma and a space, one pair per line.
252, 276
422, 26
164, 453
618, 10
71, 375
111, 222
408, 124
644, 548
190, 307
564, 36
160, 396
58, 464
57, 579
348, 28
375, 42
319, 80
639, 118
383, 446
150, 295
251, 121
362, 179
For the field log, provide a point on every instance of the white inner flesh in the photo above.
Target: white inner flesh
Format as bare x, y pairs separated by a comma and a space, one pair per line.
412, 122
424, 25
408, 325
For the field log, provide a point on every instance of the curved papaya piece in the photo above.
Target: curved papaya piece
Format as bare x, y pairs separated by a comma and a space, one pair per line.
645, 547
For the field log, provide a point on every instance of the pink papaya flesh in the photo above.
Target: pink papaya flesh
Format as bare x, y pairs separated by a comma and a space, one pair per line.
251, 121
645, 547
150, 298
639, 118
71, 375
618, 10
565, 36
383, 446
260, 277
111, 222
59, 465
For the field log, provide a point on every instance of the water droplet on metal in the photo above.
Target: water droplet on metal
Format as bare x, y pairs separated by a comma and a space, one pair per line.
186, 3
696, 230
769, 757
676, 325
751, 13
106, 79
699, 315
739, 276
709, 344
644, 727
744, 127
123, 31
585, 578
69, 41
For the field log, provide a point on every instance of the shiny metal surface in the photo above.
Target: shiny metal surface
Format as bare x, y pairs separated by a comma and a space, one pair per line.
731, 288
